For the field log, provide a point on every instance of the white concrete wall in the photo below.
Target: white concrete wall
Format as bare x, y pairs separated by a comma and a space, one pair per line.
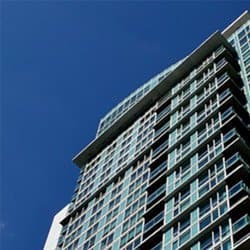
55, 229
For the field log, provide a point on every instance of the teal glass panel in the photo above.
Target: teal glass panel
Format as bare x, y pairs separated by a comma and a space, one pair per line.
193, 120
169, 210
226, 245
184, 237
193, 140
195, 247
168, 235
193, 102
170, 183
173, 118
194, 229
171, 158
194, 187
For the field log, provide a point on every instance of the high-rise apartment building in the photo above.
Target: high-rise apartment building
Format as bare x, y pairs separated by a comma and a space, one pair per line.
170, 165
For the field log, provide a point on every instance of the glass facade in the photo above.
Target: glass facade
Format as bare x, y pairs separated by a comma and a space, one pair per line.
177, 176
240, 40
132, 99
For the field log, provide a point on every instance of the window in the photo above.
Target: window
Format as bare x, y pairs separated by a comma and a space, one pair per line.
205, 222
241, 34
204, 208
244, 40
106, 241
184, 223
184, 237
206, 243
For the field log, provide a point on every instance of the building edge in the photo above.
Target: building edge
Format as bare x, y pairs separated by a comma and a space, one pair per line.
55, 229
236, 24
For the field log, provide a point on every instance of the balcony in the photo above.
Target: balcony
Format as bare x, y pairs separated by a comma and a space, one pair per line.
156, 193
164, 99
220, 81
222, 78
221, 63
158, 170
241, 223
153, 222
160, 148
163, 113
201, 82
234, 158
157, 247
241, 233
225, 115
204, 157
60, 240
162, 129
224, 95
219, 51
229, 136
237, 188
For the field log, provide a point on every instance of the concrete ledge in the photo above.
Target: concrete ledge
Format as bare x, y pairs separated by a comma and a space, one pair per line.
243, 18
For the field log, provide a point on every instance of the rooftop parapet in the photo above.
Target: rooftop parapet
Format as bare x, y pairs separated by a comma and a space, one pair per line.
243, 18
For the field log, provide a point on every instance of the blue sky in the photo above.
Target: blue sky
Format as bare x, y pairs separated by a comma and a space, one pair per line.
64, 64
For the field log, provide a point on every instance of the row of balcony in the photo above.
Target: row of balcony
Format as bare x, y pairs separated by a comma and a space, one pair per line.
218, 81
167, 111
200, 118
233, 191
195, 73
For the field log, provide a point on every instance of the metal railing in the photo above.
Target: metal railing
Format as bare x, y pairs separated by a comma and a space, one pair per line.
154, 221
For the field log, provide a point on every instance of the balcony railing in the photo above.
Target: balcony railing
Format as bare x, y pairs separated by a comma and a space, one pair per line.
164, 98
163, 112
219, 51
197, 71
241, 223
222, 78
186, 149
60, 240
234, 158
218, 82
229, 135
156, 193
163, 128
159, 169
224, 94
160, 148
240, 186
157, 247
227, 113
228, 163
204, 79
221, 63
224, 116
154, 221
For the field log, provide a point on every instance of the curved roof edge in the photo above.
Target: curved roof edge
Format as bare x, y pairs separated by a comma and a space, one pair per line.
116, 112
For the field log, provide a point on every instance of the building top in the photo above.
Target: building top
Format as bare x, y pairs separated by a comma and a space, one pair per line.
243, 18
188, 64
133, 98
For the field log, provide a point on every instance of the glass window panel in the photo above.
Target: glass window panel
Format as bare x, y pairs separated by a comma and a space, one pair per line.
184, 237
205, 221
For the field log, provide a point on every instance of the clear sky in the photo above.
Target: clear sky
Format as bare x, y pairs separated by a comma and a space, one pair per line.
64, 64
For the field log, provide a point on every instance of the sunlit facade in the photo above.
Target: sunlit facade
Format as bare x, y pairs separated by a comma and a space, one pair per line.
169, 167
238, 35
